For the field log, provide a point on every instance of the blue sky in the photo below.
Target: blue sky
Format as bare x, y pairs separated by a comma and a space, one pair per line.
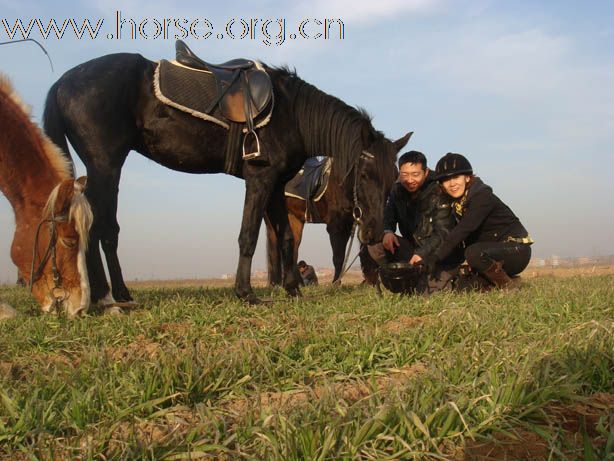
524, 89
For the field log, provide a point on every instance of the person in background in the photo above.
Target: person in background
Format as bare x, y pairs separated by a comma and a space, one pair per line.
308, 273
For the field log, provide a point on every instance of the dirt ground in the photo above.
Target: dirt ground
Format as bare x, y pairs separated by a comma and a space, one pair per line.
567, 271
575, 423
354, 277
351, 278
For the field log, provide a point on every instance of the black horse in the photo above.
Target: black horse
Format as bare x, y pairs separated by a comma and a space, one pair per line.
106, 107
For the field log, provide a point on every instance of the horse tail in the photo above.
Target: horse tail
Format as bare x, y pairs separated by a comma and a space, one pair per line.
53, 124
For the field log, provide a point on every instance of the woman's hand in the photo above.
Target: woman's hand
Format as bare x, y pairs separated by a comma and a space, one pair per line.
415, 259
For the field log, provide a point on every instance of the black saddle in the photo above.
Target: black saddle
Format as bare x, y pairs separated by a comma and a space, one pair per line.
311, 181
186, 56
243, 90
310, 184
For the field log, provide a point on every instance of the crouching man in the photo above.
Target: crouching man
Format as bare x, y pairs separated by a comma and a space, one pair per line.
308, 273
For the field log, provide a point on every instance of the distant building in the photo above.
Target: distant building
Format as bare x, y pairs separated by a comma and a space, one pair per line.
537, 262
324, 272
260, 274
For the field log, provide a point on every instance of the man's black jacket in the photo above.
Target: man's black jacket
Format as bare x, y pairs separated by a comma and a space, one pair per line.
425, 219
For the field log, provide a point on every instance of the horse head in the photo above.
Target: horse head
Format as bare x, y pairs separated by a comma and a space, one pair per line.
376, 171
50, 255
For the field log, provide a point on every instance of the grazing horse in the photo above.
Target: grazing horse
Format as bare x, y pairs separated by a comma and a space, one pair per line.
333, 207
107, 107
52, 215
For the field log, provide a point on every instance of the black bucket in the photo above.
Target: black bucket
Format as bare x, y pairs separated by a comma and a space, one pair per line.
403, 277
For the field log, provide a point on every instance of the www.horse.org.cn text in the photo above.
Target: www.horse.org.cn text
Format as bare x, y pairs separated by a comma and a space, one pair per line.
271, 32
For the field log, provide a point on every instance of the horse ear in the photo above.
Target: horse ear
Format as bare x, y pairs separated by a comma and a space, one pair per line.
400, 143
80, 184
66, 190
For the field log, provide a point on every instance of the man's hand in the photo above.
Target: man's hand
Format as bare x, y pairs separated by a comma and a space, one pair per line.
390, 242
415, 259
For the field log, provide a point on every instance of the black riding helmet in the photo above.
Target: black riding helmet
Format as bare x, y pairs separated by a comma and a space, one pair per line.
452, 164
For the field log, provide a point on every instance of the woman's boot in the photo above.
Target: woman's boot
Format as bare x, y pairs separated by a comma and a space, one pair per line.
497, 275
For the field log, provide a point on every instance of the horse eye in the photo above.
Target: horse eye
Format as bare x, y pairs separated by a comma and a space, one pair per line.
69, 242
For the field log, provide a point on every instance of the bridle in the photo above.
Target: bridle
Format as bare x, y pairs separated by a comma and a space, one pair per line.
58, 293
357, 209
357, 213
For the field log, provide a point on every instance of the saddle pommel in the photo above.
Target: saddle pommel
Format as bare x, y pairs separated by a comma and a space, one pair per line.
185, 56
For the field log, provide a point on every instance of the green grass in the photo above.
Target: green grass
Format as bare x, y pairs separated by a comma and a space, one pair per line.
195, 372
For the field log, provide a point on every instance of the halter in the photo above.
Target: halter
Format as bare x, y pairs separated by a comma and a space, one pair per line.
357, 213
58, 293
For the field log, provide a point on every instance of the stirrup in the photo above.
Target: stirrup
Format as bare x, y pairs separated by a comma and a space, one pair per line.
251, 155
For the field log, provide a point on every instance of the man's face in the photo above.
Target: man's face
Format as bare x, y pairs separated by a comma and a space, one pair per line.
412, 176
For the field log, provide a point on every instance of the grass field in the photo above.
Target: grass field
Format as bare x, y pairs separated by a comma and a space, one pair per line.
340, 374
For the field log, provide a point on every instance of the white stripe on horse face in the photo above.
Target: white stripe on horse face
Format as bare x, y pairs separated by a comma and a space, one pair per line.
85, 282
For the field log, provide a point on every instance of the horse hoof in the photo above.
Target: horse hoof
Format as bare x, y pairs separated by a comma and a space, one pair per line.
126, 304
252, 300
294, 292
123, 298
113, 310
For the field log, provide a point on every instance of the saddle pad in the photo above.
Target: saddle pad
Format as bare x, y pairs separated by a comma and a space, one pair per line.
186, 89
311, 181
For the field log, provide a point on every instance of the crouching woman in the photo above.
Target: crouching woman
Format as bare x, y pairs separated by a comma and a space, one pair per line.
497, 245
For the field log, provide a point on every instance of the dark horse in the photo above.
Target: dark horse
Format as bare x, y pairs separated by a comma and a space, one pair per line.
334, 207
106, 107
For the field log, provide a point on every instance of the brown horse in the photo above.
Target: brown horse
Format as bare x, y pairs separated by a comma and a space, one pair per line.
334, 207
52, 216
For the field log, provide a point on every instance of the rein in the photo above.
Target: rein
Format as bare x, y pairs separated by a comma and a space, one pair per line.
31, 40
356, 214
58, 294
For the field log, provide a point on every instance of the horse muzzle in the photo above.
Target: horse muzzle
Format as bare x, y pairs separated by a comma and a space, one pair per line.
62, 302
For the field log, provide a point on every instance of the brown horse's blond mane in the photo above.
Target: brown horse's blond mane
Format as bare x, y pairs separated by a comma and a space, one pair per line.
56, 159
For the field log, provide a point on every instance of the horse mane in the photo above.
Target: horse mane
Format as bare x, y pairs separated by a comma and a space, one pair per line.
80, 212
56, 160
328, 125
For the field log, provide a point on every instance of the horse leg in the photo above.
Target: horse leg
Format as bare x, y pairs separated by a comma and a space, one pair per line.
296, 226
339, 236
109, 244
99, 287
368, 265
273, 251
290, 229
104, 187
258, 189
110, 237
